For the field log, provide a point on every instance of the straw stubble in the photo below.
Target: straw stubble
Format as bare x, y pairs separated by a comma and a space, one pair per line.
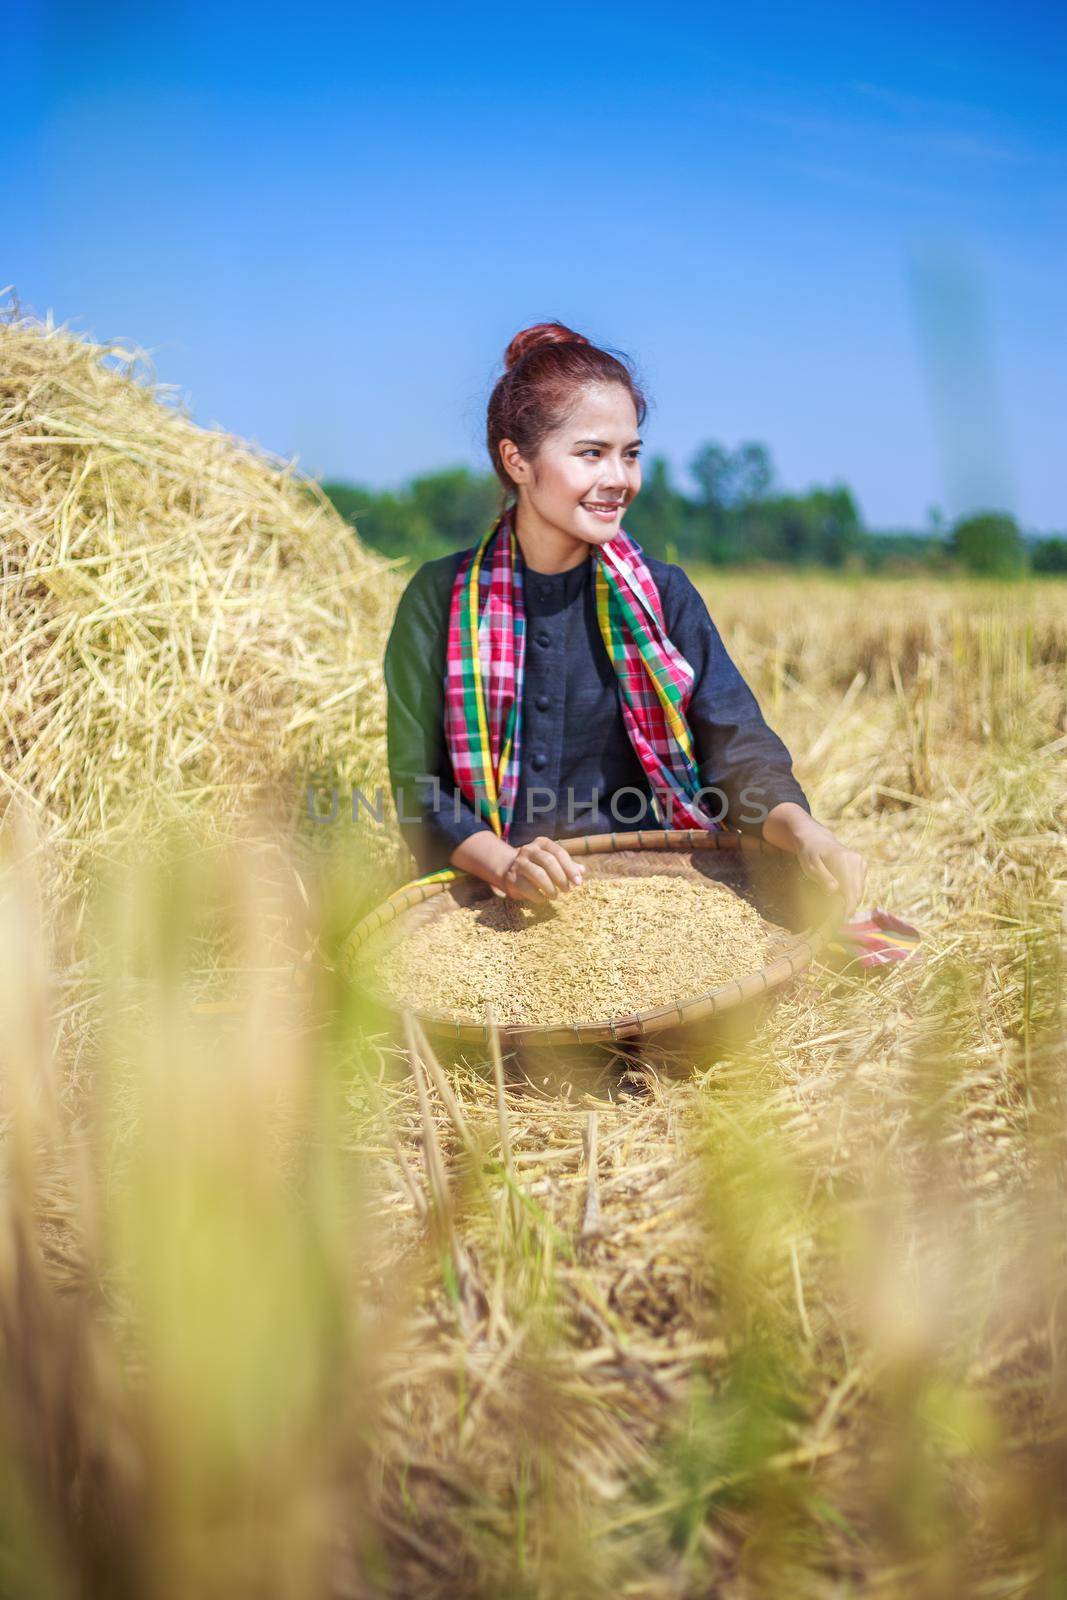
607, 948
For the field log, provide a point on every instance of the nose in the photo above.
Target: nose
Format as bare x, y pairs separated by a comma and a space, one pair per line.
617, 479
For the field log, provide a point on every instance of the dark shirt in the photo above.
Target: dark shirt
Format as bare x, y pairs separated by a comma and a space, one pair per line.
576, 756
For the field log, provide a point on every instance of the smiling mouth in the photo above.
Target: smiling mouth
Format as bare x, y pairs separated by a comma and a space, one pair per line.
602, 507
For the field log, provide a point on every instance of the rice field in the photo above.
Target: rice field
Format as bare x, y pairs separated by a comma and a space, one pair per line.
293, 1308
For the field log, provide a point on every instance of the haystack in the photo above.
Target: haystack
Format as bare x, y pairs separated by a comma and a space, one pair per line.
186, 624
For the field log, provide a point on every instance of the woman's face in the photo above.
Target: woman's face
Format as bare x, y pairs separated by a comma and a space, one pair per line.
591, 462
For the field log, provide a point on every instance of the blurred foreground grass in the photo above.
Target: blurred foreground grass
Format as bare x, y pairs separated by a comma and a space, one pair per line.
292, 1309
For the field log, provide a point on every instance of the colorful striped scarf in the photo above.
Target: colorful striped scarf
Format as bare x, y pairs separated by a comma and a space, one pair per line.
485, 663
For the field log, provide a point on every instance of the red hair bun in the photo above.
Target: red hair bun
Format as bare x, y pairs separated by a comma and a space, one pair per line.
541, 333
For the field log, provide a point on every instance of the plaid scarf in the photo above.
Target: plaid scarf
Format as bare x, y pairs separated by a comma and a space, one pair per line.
485, 664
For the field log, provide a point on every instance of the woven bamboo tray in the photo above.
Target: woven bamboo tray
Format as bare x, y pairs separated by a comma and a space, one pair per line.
799, 916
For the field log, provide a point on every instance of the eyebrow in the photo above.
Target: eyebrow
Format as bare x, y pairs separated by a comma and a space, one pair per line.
604, 445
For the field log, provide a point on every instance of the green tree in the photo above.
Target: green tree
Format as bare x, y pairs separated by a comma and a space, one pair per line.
840, 529
711, 468
1049, 555
989, 544
349, 499
457, 503
657, 518
386, 521
714, 469
786, 529
433, 514
753, 474
730, 480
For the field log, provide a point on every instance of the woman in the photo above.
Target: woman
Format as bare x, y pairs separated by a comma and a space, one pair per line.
553, 680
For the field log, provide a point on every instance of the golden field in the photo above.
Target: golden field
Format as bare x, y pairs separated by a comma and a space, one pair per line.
289, 1308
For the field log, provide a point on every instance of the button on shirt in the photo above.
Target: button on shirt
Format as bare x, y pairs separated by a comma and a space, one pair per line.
578, 770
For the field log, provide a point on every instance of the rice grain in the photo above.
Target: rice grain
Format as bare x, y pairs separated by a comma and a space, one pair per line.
606, 948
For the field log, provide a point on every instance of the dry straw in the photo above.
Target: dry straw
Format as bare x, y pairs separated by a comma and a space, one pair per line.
186, 624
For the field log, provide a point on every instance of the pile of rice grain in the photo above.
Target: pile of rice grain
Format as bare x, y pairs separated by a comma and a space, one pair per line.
608, 948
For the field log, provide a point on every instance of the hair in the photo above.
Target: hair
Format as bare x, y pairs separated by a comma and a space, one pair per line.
544, 368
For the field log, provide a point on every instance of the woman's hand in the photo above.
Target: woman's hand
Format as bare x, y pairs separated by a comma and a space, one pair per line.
826, 860
539, 870
822, 858
535, 871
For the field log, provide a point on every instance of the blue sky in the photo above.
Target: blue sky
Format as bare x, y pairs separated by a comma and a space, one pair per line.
835, 228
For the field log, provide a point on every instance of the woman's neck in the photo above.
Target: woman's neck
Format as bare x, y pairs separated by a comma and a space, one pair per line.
547, 549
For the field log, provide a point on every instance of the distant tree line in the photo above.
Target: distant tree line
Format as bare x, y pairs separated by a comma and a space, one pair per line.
737, 516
